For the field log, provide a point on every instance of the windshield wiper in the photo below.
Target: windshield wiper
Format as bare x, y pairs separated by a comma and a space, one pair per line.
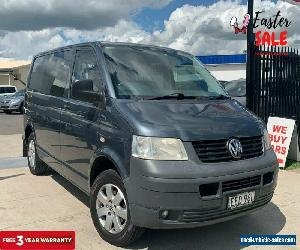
181, 96
219, 97
178, 96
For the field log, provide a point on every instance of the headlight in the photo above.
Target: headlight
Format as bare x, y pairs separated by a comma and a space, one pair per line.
267, 142
13, 102
155, 148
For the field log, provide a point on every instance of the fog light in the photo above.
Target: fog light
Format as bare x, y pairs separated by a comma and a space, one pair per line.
268, 178
164, 214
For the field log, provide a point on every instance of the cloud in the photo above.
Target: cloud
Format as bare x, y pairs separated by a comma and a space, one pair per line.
123, 31
16, 15
206, 29
24, 44
200, 30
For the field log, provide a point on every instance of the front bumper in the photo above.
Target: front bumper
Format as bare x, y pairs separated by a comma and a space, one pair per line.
10, 107
155, 186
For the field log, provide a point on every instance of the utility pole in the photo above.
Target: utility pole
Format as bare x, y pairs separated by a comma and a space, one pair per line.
250, 58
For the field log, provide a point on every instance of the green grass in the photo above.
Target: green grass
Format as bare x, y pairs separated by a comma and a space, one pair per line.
290, 164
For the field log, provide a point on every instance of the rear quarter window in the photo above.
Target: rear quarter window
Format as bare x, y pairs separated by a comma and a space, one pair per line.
51, 73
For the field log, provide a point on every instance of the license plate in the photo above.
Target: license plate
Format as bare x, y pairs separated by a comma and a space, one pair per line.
241, 200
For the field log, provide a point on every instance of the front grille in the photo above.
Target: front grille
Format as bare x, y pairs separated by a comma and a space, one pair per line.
213, 214
211, 151
241, 183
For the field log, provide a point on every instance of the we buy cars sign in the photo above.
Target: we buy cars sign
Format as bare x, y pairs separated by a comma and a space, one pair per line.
280, 132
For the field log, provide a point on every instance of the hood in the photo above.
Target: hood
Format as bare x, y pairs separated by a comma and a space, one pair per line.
190, 120
13, 98
7, 95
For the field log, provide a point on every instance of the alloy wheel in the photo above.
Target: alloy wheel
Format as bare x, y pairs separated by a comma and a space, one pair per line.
111, 208
31, 153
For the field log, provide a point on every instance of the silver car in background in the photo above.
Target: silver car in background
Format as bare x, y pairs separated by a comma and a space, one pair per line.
236, 89
7, 90
13, 102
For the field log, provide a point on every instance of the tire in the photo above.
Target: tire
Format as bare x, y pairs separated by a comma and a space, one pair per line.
35, 164
7, 111
124, 232
21, 109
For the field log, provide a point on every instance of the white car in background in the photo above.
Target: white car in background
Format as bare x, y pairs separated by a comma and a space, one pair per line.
7, 90
13, 103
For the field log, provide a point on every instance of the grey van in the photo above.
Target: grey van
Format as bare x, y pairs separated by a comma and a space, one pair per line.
149, 134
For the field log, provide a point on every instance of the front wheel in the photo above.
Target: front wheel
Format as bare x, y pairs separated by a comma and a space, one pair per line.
110, 210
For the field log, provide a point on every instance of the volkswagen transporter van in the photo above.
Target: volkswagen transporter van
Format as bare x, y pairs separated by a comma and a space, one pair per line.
149, 134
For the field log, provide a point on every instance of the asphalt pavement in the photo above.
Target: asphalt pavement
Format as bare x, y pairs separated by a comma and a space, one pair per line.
11, 129
50, 202
11, 124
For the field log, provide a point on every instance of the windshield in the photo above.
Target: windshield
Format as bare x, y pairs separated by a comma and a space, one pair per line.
147, 72
7, 90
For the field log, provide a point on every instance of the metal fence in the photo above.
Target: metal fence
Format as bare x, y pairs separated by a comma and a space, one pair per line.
275, 83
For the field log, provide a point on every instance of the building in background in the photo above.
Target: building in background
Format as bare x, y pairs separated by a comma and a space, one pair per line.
12, 70
226, 67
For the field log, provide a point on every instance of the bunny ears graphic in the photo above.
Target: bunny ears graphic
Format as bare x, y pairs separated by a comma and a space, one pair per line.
246, 20
235, 25
233, 22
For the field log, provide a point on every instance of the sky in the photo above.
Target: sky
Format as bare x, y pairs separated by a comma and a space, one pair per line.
201, 27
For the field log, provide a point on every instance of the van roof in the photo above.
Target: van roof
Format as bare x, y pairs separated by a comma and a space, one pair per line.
95, 43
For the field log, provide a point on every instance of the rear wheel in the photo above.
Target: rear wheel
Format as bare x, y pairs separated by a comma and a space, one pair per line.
35, 164
110, 210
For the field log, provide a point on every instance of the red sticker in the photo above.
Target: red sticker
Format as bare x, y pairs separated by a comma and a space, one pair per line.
37, 240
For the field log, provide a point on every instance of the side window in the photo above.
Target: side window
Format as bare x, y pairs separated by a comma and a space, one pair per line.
86, 77
60, 65
39, 80
51, 73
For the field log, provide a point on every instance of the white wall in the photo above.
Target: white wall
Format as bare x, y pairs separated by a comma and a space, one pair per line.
4, 79
228, 72
22, 73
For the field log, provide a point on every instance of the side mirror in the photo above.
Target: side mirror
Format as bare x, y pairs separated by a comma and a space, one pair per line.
83, 90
